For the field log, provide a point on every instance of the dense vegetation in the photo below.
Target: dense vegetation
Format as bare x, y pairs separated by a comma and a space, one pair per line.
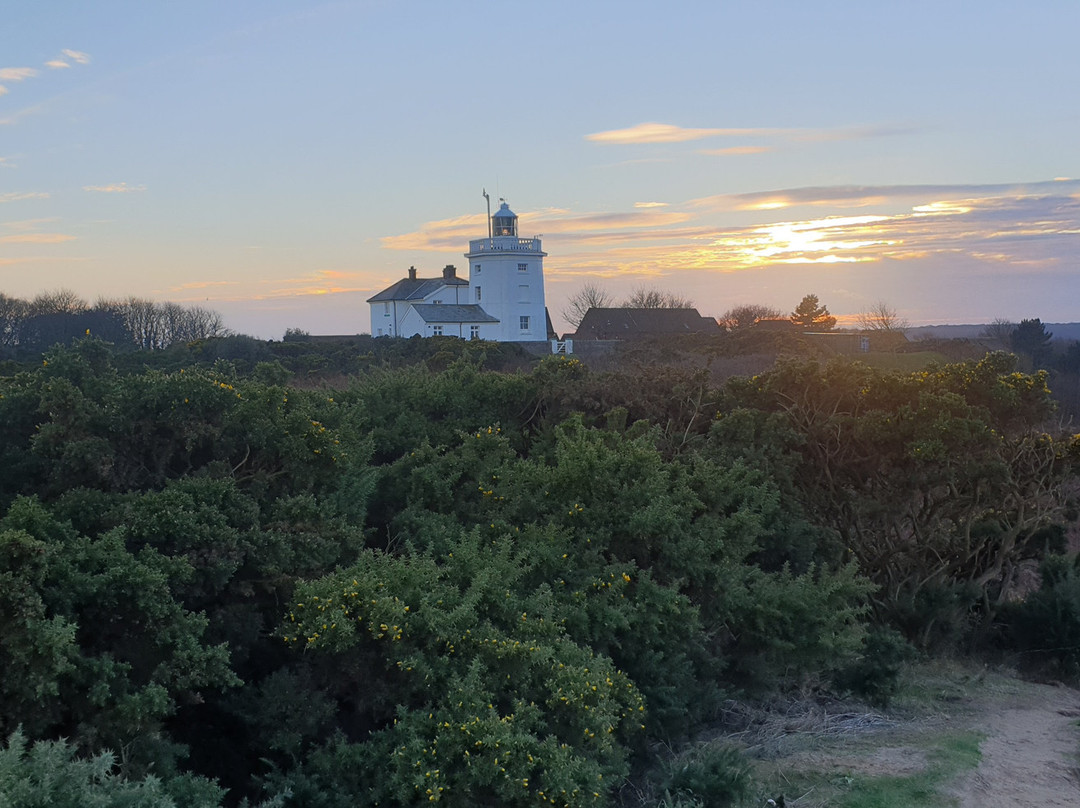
221, 581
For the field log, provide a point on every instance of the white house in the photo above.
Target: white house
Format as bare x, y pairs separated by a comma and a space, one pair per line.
503, 299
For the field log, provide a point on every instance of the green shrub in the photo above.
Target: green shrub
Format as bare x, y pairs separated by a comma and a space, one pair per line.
711, 774
1047, 623
48, 773
875, 675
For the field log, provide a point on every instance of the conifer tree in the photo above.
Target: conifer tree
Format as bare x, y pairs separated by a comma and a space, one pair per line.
810, 314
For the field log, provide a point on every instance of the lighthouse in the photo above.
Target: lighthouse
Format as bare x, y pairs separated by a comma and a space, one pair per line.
506, 278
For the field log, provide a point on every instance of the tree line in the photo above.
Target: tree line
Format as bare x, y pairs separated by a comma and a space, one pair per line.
809, 315
62, 316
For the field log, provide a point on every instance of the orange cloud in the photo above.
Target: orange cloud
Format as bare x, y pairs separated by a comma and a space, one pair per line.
13, 196
29, 224
454, 234
653, 132
115, 188
668, 133
36, 238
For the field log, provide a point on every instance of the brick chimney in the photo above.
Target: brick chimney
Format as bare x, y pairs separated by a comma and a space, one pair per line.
449, 272
412, 273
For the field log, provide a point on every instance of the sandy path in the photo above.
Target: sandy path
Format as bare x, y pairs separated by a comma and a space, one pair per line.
1029, 757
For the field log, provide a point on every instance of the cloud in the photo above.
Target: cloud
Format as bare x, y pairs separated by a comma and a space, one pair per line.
859, 196
853, 132
14, 196
315, 284
453, 234
1014, 237
934, 251
115, 188
17, 73
29, 224
36, 238
77, 56
653, 132
668, 133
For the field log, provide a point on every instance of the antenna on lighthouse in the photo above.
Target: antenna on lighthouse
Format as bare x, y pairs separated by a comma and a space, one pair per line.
488, 198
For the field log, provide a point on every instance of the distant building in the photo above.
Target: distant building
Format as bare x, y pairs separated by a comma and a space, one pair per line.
502, 300
628, 324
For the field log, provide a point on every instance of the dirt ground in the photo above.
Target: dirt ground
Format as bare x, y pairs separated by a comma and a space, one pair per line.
1030, 752
1029, 757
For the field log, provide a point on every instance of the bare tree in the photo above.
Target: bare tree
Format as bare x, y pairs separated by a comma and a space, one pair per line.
153, 326
881, 317
589, 296
747, 315
59, 301
999, 333
13, 314
649, 297
206, 323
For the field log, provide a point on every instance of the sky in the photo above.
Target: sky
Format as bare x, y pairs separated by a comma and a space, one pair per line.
281, 162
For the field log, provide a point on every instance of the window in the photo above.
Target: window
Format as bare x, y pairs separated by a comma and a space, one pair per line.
478, 295
523, 294
380, 333
437, 302
523, 267
524, 321
436, 331
474, 332
477, 268
386, 309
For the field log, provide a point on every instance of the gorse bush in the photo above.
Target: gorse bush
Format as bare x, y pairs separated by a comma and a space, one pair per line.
49, 774
874, 676
709, 774
436, 583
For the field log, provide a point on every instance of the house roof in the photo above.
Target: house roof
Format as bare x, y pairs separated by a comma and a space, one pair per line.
417, 289
442, 313
629, 323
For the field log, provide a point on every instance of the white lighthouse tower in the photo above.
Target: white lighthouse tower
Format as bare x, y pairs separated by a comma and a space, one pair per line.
506, 278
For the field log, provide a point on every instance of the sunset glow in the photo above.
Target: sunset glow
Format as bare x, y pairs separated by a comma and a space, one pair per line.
282, 164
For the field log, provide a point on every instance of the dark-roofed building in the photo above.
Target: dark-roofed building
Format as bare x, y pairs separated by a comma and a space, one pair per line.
390, 308
624, 324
